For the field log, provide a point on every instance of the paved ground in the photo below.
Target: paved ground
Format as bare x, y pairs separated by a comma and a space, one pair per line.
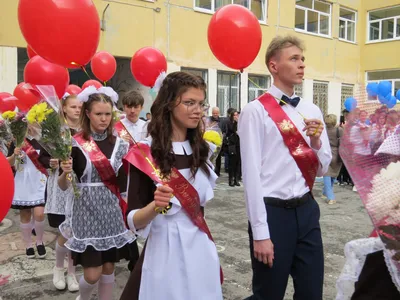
226, 215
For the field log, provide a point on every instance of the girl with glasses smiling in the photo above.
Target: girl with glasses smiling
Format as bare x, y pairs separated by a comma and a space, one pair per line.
170, 182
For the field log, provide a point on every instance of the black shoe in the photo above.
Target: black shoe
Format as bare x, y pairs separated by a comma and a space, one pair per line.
41, 251
34, 232
231, 183
218, 174
237, 183
30, 253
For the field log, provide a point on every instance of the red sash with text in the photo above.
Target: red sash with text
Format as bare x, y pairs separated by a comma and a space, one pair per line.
103, 167
140, 156
304, 156
122, 132
33, 156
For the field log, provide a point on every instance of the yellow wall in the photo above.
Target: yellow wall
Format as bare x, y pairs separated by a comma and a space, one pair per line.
181, 34
381, 55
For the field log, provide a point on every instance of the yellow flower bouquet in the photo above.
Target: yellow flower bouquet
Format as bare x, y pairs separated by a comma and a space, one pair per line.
215, 137
52, 132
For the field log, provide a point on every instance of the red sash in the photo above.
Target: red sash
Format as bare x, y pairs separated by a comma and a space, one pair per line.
103, 167
122, 131
140, 157
34, 157
304, 156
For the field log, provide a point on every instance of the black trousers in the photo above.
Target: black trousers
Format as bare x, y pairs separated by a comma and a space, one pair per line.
375, 281
234, 167
298, 252
217, 169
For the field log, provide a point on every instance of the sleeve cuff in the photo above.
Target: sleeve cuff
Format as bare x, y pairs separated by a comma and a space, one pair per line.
144, 232
260, 232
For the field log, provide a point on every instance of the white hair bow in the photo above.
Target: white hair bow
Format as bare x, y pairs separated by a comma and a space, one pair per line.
66, 95
159, 81
90, 90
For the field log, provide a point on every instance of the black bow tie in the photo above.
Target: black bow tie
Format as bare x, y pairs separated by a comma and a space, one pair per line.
293, 102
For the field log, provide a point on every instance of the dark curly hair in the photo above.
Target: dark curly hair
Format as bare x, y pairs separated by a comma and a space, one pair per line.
85, 121
160, 127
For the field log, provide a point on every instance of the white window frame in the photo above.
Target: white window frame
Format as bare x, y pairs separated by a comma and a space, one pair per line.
306, 9
212, 10
392, 80
379, 21
346, 25
256, 89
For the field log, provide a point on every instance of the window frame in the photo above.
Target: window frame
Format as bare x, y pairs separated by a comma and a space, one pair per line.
396, 20
392, 80
231, 75
346, 25
306, 9
212, 10
256, 89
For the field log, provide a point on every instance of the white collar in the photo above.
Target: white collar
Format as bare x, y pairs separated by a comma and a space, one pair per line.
129, 123
277, 93
181, 148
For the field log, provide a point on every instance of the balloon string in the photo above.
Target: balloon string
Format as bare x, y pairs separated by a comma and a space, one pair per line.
82, 68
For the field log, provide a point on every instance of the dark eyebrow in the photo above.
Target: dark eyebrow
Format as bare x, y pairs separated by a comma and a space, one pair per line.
298, 56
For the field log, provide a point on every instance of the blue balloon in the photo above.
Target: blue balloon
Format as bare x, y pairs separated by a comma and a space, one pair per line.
384, 100
384, 88
392, 102
350, 103
372, 89
398, 94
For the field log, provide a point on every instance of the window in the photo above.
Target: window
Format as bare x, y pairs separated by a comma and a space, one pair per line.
313, 17
298, 90
384, 24
198, 72
228, 91
258, 7
347, 25
258, 85
320, 95
390, 75
347, 91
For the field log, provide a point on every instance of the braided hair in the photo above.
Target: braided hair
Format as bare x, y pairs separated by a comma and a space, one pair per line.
160, 126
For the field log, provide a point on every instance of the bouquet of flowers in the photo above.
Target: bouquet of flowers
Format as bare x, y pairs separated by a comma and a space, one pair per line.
52, 132
19, 128
214, 136
5, 135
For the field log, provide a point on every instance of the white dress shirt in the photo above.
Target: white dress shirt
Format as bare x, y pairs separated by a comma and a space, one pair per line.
138, 130
268, 168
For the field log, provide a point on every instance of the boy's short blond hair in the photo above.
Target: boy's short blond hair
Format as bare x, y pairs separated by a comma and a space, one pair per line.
281, 42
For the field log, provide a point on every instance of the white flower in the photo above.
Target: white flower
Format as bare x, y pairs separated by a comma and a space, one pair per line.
384, 198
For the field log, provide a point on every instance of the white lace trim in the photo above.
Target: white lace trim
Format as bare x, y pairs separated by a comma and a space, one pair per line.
355, 252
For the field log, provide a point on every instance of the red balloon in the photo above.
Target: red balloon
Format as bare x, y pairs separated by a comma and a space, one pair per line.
104, 65
7, 187
73, 89
147, 64
26, 98
41, 72
234, 36
63, 32
7, 102
93, 82
30, 52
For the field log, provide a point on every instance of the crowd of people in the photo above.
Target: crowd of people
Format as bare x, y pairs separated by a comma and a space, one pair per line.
154, 178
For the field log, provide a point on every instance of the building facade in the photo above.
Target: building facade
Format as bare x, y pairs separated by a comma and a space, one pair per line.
349, 43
